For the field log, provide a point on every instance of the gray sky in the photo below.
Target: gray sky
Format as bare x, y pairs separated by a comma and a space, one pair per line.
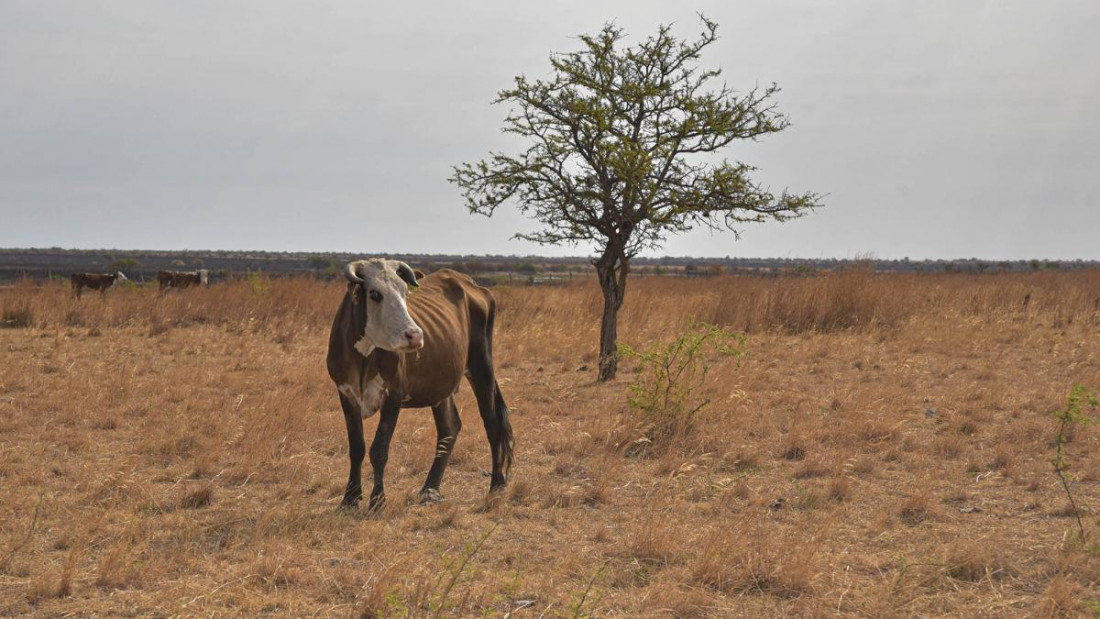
938, 129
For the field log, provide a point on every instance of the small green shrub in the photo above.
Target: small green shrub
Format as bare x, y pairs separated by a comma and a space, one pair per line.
260, 284
1073, 414
667, 394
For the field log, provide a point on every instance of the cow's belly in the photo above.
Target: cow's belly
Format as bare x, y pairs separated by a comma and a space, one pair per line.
428, 384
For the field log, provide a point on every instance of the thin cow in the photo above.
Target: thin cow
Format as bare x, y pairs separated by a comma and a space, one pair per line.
389, 350
182, 279
95, 281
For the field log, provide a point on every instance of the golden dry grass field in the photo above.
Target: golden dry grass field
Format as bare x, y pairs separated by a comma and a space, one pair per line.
883, 450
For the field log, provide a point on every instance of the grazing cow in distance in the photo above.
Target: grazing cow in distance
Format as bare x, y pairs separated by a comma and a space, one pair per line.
95, 281
182, 279
390, 349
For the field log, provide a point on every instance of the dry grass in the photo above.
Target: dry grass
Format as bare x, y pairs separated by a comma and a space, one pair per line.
882, 450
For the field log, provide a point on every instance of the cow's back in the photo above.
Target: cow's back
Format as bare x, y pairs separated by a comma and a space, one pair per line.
444, 307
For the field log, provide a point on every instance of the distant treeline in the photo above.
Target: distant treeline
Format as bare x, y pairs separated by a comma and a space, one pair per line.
142, 265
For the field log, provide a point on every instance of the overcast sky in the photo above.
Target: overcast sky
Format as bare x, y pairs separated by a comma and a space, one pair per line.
937, 129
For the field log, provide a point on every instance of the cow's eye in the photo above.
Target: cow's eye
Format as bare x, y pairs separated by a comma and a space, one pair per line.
375, 296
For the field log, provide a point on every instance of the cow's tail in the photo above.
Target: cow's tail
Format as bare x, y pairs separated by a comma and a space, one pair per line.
507, 440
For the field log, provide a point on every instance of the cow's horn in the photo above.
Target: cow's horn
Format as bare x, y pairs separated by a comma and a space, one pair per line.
349, 272
405, 272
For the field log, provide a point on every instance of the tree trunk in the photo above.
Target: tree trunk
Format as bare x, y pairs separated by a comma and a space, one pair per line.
612, 269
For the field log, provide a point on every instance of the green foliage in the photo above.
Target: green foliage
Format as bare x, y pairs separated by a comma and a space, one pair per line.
527, 268
260, 284
667, 394
1073, 415
618, 140
614, 136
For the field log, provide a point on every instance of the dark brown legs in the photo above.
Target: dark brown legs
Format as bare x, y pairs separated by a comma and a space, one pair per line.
357, 449
494, 414
447, 427
380, 450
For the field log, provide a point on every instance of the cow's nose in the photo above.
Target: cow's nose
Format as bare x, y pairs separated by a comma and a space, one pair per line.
415, 337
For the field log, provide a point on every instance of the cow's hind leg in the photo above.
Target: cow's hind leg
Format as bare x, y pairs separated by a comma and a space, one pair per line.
447, 426
494, 414
357, 449
380, 450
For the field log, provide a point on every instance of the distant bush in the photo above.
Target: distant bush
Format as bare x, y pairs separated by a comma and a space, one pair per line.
260, 284
124, 263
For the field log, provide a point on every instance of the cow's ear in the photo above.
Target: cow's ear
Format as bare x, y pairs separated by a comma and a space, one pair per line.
418, 273
406, 273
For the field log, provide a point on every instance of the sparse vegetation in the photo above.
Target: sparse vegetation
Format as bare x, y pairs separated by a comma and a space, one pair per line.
670, 388
883, 449
1073, 415
260, 284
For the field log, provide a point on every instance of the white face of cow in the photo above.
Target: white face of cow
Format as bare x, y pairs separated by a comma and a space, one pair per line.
204, 276
121, 277
389, 325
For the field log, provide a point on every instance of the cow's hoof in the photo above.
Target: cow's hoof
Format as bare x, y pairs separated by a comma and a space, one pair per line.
376, 505
430, 495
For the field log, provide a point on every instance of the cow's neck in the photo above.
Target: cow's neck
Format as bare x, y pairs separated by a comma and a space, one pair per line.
378, 362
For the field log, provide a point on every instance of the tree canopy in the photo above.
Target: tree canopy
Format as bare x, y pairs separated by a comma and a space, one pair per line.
619, 139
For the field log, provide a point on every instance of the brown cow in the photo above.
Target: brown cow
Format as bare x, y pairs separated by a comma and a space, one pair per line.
182, 279
390, 350
95, 281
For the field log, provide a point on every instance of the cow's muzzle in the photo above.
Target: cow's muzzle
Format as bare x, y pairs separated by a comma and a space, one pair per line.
414, 339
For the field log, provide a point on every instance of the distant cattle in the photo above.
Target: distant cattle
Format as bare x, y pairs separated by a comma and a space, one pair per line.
391, 349
95, 281
182, 279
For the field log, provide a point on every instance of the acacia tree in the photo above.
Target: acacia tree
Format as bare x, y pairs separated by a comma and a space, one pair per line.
617, 157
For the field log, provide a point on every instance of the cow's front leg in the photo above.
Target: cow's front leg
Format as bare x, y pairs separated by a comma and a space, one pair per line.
380, 450
357, 448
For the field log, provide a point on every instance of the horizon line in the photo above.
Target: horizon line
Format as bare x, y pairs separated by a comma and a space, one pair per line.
866, 257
